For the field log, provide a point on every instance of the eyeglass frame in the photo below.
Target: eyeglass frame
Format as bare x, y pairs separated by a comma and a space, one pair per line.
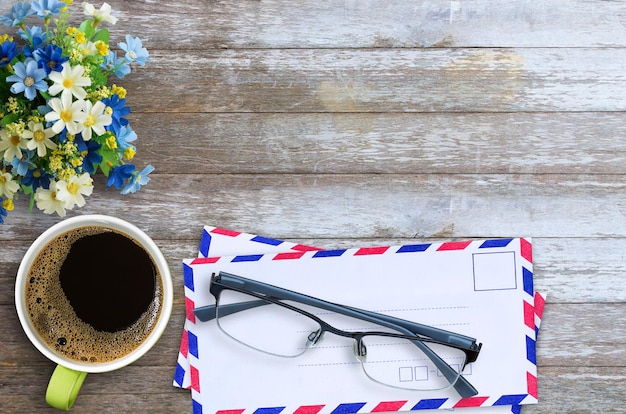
413, 331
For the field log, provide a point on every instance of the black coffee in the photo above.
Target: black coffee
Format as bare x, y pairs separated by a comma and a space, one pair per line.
93, 294
110, 294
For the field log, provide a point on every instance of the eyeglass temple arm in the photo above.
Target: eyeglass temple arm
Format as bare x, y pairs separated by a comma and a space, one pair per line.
463, 387
208, 313
237, 282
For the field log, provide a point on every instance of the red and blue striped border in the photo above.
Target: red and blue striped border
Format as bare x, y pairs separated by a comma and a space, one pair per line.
529, 312
207, 239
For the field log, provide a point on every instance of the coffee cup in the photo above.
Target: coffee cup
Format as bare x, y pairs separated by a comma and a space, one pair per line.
93, 294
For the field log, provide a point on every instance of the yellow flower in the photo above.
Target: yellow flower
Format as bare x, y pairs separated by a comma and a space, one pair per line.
102, 48
56, 163
80, 38
8, 204
13, 105
121, 92
71, 31
99, 94
16, 128
129, 153
70, 148
75, 55
68, 3
66, 174
77, 162
5, 37
35, 117
111, 142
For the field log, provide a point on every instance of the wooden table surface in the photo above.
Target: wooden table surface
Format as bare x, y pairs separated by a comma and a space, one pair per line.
353, 123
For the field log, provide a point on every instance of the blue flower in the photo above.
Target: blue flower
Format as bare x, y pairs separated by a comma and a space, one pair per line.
36, 178
28, 78
51, 58
47, 8
91, 158
35, 38
3, 211
125, 136
138, 180
118, 175
119, 67
18, 13
120, 110
8, 50
135, 52
22, 165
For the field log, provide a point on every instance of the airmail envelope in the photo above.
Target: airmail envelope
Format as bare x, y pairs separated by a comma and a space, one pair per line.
481, 289
215, 242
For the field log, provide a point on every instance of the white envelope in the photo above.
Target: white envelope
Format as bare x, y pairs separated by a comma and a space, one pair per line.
215, 242
486, 286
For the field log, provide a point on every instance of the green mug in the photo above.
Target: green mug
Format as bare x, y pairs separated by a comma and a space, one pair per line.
69, 375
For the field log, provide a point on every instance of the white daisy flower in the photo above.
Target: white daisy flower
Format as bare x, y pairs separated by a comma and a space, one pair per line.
96, 119
102, 15
8, 187
69, 81
39, 138
71, 193
47, 200
12, 145
67, 114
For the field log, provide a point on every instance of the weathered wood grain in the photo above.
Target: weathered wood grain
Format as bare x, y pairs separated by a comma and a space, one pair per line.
362, 205
305, 143
199, 24
381, 80
561, 390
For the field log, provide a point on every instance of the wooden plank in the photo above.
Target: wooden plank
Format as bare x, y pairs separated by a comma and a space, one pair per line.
140, 389
124, 391
348, 143
580, 390
561, 389
563, 326
362, 205
381, 80
592, 268
365, 24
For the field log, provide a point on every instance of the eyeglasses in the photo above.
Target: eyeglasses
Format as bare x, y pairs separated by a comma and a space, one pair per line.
395, 352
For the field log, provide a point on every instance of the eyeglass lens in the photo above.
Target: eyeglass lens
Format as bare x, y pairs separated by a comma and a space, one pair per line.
280, 331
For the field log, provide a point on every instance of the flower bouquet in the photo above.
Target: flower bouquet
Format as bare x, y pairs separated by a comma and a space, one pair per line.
60, 120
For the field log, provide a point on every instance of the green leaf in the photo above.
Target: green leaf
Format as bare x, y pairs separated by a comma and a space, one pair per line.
109, 159
10, 118
27, 189
102, 35
87, 28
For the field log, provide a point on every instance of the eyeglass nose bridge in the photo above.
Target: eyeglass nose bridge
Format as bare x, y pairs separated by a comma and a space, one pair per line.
314, 338
360, 350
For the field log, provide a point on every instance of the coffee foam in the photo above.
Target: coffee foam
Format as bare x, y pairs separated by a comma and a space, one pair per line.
55, 320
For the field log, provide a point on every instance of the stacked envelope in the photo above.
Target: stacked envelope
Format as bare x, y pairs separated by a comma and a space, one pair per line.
481, 288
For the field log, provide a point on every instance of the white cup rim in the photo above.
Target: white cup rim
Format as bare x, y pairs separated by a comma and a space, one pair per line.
106, 221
